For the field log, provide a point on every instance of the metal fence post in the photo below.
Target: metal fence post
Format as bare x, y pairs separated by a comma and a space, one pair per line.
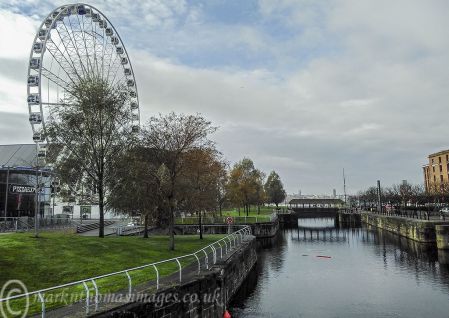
206, 259
96, 294
180, 269
157, 276
87, 297
42, 300
230, 242
130, 284
199, 263
221, 249
214, 253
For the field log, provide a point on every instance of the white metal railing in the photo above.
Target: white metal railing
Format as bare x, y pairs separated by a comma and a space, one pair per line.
228, 242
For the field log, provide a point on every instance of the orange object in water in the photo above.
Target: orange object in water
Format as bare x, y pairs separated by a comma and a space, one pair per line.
226, 314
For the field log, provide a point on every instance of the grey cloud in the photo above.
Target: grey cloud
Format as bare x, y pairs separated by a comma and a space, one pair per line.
376, 106
15, 128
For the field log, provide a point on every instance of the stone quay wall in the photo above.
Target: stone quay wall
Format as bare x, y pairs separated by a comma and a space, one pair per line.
422, 231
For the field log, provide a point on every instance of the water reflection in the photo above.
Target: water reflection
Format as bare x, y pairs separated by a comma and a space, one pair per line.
320, 270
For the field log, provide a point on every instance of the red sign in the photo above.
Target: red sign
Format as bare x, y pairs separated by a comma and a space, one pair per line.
229, 220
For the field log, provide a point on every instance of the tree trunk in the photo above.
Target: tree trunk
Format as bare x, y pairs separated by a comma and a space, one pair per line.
101, 206
145, 230
219, 207
171, 244
201, 225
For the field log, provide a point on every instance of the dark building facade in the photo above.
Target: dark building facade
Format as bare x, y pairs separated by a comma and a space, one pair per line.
18, 182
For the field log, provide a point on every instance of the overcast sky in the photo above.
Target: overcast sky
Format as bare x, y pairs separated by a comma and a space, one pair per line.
305, 88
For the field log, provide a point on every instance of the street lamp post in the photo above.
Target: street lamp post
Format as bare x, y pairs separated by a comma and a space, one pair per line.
379, 197
6, 194
36, 195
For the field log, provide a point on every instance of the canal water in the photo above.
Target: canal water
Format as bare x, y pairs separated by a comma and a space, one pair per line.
318, 270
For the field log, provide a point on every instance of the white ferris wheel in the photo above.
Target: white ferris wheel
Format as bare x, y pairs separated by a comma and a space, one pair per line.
75, 41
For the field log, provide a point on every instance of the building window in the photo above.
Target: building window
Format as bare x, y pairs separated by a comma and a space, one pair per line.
433, 168
439, 159
447, 157
432, 160
441, 168
441, 178
434, 179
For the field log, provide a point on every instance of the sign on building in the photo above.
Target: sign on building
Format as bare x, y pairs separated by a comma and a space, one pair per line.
22, 189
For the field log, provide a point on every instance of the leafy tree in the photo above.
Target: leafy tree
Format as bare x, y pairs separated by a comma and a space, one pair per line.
171, 138
91, 128
136, 190
200, 176
244, 182
275, 189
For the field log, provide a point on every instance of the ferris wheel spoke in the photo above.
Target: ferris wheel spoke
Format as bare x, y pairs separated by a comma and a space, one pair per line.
103, 54
94, 35
79, 43
55, 104
74, 48
65, 38
119, 80
86, 40
59, 57
55, 79
110, 54
117, 67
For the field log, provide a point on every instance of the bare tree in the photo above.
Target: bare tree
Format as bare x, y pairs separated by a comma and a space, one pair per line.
170, 138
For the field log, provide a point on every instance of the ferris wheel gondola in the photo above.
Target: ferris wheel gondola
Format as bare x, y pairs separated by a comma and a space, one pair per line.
75, 41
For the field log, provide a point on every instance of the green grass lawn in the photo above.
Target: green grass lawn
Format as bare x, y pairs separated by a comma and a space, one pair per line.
253, 216
253, 211
57, 258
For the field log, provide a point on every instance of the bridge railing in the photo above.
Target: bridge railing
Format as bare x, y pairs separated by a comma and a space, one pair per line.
421, 214
208, 254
